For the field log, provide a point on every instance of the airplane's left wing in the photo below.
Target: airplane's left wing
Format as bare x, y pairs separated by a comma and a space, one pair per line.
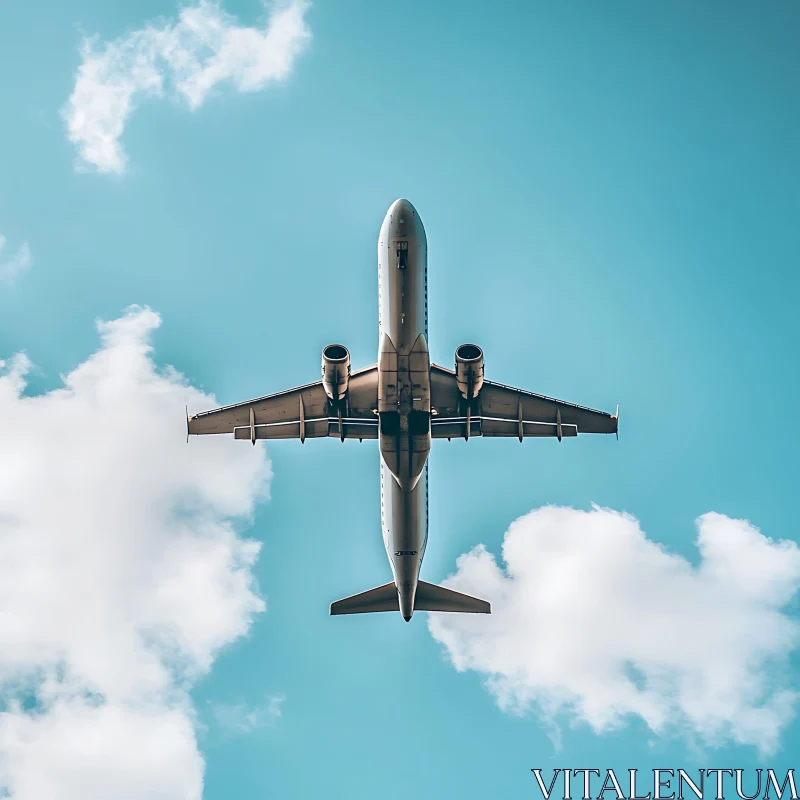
301, 413
504, 411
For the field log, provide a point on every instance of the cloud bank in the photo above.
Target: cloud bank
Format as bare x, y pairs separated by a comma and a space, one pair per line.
14, 265
121, 573
592, 619
183, 59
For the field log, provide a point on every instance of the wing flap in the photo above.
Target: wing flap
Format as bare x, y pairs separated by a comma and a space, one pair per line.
314, 429
497, 426
456, 427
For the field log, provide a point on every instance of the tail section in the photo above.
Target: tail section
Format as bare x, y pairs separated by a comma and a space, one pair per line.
429, 597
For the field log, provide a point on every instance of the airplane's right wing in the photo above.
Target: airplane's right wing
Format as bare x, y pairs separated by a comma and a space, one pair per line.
301, 413
505, 411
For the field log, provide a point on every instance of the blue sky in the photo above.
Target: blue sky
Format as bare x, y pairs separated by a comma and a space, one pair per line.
610, 194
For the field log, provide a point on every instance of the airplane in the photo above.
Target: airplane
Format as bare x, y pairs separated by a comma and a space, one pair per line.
404, 401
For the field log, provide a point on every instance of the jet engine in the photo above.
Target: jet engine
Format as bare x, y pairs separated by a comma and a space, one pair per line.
335, 371
469, 370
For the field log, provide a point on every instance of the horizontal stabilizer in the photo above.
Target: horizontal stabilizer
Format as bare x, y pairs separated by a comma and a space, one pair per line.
430, 597
382, 598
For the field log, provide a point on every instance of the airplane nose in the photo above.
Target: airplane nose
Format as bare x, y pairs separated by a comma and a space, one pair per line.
402, 209
403, 220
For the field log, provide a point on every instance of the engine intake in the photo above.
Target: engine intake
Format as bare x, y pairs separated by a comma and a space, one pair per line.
335, 371
469, 370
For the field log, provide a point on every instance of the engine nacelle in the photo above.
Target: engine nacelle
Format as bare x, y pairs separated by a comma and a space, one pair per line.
469, 370
335, 371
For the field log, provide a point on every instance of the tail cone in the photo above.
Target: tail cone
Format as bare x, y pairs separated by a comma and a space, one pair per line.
405, 596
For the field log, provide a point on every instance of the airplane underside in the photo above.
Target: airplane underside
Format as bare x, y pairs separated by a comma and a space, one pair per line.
404, 402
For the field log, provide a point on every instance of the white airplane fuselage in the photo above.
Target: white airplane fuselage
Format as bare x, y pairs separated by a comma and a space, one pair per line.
404, 395
399, 390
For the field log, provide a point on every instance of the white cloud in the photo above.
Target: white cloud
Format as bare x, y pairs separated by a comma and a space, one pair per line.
185, 58
591, 618
243, 718
121, 573
13, 266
